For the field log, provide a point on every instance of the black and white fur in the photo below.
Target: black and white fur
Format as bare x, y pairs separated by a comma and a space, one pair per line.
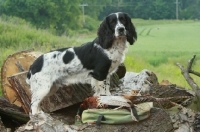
93, 62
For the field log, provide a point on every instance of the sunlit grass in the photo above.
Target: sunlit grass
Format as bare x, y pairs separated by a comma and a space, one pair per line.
160, 46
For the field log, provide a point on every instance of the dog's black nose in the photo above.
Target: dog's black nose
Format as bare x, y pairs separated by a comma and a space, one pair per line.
120, 29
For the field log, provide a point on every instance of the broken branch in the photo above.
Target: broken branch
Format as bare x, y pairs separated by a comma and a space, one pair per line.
188, 78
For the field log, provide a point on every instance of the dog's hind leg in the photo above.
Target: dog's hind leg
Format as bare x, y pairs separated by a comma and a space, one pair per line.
39, 90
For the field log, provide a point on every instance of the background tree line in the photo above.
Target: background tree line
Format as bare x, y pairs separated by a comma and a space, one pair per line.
63, 16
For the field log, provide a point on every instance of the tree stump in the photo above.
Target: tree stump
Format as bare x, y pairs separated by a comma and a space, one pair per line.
15, 63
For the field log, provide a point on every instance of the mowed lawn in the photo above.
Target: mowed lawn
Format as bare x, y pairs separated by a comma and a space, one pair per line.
175, 37
160, 45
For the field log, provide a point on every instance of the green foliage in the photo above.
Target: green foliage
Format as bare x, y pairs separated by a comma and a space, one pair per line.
146, 9
91, 24
154, 9
59, 16
189, 9
94, 7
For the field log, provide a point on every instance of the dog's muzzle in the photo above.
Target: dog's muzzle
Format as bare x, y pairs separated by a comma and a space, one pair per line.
120, 31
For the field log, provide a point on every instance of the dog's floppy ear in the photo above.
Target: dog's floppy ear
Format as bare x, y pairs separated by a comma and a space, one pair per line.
130, 28
105, 34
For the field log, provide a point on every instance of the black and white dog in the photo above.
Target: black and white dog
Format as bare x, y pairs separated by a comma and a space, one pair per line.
92, 62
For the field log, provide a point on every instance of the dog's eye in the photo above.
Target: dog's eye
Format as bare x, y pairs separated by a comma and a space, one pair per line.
122, 20
112, 22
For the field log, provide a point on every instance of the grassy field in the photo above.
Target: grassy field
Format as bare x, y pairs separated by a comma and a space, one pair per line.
161, 44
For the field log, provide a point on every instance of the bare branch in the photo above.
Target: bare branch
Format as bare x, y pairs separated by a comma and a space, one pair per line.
190, 67
195, 73
190, 81
190, 62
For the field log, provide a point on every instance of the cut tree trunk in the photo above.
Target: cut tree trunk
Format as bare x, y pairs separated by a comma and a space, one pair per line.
15, 63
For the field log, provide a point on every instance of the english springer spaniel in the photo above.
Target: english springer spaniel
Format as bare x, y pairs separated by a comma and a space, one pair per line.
93, 62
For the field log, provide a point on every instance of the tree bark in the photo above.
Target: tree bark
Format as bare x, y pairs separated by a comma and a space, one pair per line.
12, 111
2, 127
159, 121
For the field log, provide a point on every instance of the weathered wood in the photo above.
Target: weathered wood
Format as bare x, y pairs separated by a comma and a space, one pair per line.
142, 81
184, 119
2, 127
67, 96
64, 97
18, 92
12, 111
18, 83
165, 91
158, 121
15, 63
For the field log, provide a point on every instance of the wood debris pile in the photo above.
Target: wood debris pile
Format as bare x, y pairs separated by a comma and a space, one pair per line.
175, 108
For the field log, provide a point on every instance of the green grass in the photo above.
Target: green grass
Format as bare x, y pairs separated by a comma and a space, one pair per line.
16, 37
161, 44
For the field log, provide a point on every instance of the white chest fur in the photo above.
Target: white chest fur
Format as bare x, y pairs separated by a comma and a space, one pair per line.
117, 53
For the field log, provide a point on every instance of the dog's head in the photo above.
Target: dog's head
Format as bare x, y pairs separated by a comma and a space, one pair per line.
114, 26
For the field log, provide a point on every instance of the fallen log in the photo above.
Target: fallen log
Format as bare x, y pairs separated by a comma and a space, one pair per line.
2, 127
12, 111
178, 93
157, 91
12, 115
145, 81
157, 122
